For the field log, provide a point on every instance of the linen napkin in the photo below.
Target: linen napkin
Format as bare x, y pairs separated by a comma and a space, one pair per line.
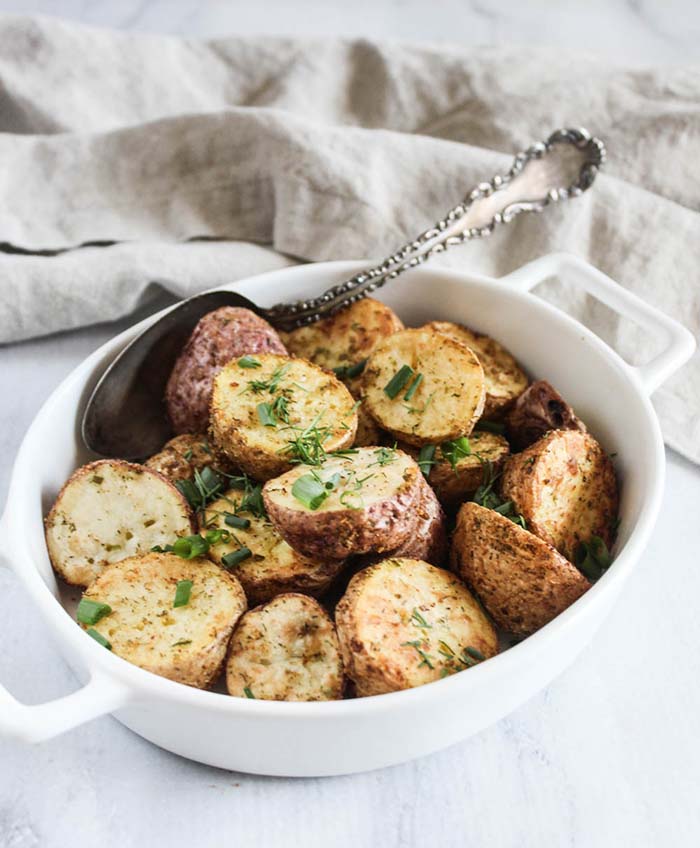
133, 163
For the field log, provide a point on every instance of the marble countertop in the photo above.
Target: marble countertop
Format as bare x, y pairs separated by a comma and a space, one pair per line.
608, 755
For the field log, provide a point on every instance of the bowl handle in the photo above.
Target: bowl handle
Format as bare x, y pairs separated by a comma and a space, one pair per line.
679, 343
38, 722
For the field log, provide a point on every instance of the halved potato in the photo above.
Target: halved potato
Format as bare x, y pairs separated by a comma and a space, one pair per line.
268, 417
220, 336
180, 457
522, 581
428, 541
565, 488
185, 643
273, 566
109, 510
456, 483
403, 623
447, 399
349, 505
346, 338
505, 379
286, 650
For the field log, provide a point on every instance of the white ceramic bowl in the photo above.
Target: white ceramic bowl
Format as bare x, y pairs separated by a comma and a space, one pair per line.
307, 739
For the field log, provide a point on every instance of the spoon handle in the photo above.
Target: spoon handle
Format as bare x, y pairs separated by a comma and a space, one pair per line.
562, 167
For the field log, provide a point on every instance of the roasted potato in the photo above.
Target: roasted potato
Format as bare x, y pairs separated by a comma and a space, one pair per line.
522, 581
273, 566
286, 650
349, 505
186, 643
180, 457
539, 409
403, 623
345, 339
220, 336
505, 379
424, 387
428, 541
455, 481
564, 486
267, 417
368, 433
109, 510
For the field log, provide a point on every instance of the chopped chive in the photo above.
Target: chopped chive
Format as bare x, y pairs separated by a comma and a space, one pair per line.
90, 612
398, 381
236, 557
236, 521
412, 388
455, 450
347, 372
216, 536
187, 455
497, 427
99, 638
248, 692
266, 415
182, 593
190, 547
419, 621
249, 362
474, 653
426, 459
181, 642
310, 491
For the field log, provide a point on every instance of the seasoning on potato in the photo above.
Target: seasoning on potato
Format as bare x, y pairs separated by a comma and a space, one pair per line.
181, 457
281, 411
403, 623
457, 471
286, 650
424, 387
365, 501
168, 615
109, 510
522, 581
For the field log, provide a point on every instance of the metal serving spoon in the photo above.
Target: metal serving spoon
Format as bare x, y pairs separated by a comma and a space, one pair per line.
125, 415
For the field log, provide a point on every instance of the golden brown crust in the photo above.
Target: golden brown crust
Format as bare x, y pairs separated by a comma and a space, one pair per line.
446, 403
274, 567
180, 457
286, 650
220, 336
403, 623
565, 487
453, 485
522, 581
186, 643
314, 401
109, 510
505, 379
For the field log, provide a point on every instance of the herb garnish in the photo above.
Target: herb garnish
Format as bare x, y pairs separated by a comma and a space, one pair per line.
182, 593
249, 362
99, 638
347, 372
592, 558
398, 381
202, 488
497, 427
236, 557
413, 387
312, 491
273, 383
426, 459
181, 642
455, 450
419, 621
191, 547
425, 658
236, 521
248, 692
487, 497
90, 612
384, 456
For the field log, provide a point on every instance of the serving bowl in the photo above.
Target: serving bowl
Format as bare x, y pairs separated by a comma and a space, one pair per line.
309, 739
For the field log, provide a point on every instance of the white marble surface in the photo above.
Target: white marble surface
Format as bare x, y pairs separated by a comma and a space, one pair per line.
608, 755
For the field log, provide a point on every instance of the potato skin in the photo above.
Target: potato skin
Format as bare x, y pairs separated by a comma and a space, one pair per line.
274, 568
564, 486
446, 404
286, 650
181, 456
144, 627
220, 336
345, 338
455, 485
368, 433
522, 581
109, 510
539, 409
380, 619
314, 396
505, 379
339, 531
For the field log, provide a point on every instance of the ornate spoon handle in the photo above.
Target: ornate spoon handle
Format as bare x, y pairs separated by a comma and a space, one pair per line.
563, 166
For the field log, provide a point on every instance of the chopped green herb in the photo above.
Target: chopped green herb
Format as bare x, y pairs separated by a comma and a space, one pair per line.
384, 456
351, 499
248, 692
413, 387
99, 638
455, 450
187, 455
474, 653
236, 557
249, 362
419, 621
204, 487
426, 459
273, 383
487, 497
592, 558
190, 547
181, 642
182, 593
398, 381
90, 612
310, 490
236, 521
217, 535
491, 427
425, 658
266, 415
347, 372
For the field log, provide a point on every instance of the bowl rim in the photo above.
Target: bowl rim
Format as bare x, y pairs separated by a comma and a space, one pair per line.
139, 683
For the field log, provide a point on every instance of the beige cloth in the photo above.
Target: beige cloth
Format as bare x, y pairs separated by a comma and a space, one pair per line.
278, 148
